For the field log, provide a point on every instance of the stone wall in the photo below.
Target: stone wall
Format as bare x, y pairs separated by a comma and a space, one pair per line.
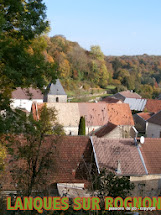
57, 98
153, 130
147, 185
122, 131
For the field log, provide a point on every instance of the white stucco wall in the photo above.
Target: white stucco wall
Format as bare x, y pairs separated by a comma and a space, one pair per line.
24, 103
153, 130
71, 130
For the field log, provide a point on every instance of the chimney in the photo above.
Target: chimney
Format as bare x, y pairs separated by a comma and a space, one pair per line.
73, 172
118, 170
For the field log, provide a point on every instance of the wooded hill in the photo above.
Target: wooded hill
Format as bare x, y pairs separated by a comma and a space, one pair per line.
77, 67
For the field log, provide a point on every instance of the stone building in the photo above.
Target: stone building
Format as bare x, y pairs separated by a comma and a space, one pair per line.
126, 157
153, 126
55, 93
96, 115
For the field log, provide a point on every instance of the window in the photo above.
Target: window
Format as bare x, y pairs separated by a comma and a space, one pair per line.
57, 99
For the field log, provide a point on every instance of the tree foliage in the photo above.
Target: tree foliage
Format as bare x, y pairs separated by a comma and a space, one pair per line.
31, 154
22, 62
82, 126
108, 184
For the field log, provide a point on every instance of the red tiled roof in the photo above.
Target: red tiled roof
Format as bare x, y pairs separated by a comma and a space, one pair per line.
70, 155
156, 118
144, 115
120, 114
110, 151
105, 129
151, 151
95, 113
153, 105
25, 93
98, 114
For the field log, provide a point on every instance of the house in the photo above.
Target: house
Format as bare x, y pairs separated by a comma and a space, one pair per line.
55, 93
134, 100
96, 115
120, 124
140, 120
23, 98
150, 184
145, 105
126, 94
69, 173
126, 157
153, 126
152, 105
109, 99
111, 130
75, 155
136, 104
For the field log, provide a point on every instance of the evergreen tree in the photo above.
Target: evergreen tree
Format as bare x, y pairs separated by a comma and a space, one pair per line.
82, 126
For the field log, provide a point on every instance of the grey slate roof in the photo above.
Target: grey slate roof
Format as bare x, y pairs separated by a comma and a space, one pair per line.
136, 104
156, 119
56, 89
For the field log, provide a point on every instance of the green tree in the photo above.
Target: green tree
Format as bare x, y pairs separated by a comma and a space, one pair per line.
97, 53
146, 91
21, 22
103, 76
82, 126
31, 155
109, 184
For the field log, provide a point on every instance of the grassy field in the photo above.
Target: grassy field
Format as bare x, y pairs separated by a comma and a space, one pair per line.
88, 98
81, 95
110, 87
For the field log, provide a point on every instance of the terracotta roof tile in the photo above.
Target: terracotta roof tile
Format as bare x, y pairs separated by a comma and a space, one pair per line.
129, 94
72, 153
145, 115
151, 151
153, 105
96, 114
70, 156
120, 114
110, 151
25, 93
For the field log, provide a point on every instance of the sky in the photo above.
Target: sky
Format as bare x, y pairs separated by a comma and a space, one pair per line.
119, 27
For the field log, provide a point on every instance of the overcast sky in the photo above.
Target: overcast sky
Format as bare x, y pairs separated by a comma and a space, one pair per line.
119, 27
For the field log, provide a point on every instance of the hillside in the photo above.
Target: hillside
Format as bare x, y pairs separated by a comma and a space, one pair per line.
80, 70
